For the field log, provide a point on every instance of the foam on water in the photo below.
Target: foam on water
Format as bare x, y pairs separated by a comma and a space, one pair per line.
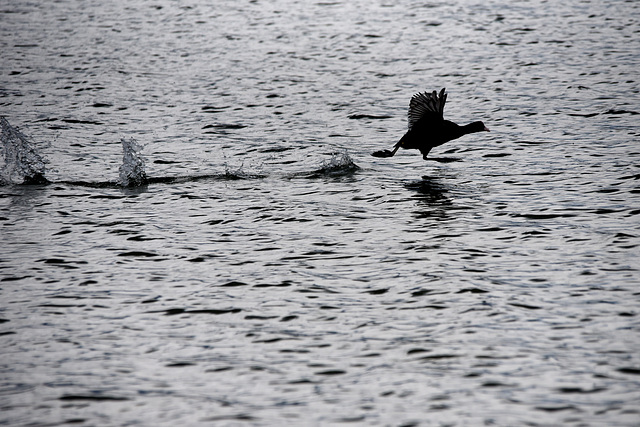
20, 163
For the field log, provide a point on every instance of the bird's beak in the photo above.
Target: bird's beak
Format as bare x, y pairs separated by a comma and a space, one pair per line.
487, 129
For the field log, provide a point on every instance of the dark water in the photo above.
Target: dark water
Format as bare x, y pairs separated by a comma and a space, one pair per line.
268, 270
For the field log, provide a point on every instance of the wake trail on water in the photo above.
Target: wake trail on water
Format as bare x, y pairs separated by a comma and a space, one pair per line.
22, 164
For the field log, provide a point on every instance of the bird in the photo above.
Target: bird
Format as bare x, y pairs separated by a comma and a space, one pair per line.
427, 126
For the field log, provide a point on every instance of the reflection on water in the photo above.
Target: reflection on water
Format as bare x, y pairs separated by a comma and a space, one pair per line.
430, 190
431, 194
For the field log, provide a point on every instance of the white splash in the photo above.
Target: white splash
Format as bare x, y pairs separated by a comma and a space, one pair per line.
338, 164
20, 163
132, 172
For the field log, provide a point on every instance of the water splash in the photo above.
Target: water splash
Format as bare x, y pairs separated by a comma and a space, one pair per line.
338, 165
233, 172
132, 172
20, 163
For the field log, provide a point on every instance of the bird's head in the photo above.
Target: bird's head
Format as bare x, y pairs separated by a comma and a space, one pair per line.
478, 127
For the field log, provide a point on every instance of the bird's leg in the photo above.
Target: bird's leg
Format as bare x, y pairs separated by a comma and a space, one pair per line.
425, 152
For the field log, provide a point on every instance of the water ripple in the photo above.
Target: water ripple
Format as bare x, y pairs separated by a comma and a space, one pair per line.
262, 268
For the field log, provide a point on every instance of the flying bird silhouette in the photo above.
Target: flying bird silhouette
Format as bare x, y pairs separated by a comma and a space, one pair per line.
427, 126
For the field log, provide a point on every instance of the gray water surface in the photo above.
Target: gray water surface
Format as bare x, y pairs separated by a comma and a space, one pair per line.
272, 272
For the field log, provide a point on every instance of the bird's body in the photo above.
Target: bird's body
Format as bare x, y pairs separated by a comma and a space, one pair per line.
427, 127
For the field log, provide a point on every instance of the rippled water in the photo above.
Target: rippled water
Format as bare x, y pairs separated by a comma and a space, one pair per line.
268, 270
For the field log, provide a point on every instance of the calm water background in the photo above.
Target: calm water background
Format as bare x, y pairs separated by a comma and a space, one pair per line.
273, 272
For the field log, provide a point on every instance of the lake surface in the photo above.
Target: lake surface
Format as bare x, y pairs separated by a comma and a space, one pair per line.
271, 271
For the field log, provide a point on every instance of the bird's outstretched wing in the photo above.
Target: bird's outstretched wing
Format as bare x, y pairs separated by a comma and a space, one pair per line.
425, 104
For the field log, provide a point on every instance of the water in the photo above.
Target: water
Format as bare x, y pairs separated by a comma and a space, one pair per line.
269, 270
